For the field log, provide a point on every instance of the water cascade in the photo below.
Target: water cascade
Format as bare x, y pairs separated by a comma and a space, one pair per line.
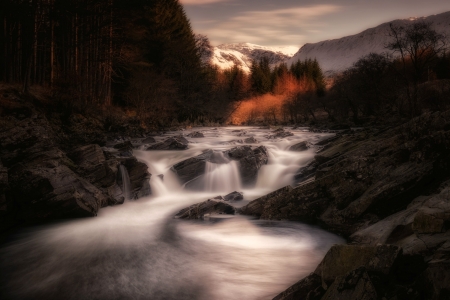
139, 251
126, 185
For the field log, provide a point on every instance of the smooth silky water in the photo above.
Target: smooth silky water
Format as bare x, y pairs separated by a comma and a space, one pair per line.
139, 251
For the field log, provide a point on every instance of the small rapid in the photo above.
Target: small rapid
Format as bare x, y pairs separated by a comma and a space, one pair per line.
139, 251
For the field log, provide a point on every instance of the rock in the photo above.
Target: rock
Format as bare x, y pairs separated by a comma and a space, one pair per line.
174, 143
341, 259
196, 134
149, 140
203, 209
234, 196
302, 146
356, 284
256, 207
4, 187
304, 289
42, 179
139, 177
327, 140
194, 167
429, 220
251, 140
124, 147
91, 160
250, 161
280, 133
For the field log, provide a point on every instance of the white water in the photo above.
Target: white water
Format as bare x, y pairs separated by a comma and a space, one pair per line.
138, 251
126, 185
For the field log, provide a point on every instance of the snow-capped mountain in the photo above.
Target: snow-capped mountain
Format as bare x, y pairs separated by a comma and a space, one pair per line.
241, 54
339, 54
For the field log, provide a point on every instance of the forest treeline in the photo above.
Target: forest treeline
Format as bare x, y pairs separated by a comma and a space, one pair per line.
133, 53
142, 55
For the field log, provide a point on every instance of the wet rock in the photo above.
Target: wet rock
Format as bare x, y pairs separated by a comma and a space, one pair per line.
428, 220
139, 177
256, 207
302, 146
4, 187
196, 134
250, 161
149, 140
251, 140
327, 140
204, 209
306, 288
174, 143
234, 196
194, 167
341, 259
42, 179
92, 161
280, 133
124, 147
356, 284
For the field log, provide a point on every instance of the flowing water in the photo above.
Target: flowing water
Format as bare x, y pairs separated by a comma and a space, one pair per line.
139, 251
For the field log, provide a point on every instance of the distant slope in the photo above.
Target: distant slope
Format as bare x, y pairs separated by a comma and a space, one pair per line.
339, 54
241, 54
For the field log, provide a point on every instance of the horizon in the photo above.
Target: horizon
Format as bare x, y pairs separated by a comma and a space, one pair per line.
291, 23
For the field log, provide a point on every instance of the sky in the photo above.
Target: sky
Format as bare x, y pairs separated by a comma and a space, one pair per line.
296, 22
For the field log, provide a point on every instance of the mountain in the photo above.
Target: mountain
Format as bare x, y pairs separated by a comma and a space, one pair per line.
339, 54
241, 54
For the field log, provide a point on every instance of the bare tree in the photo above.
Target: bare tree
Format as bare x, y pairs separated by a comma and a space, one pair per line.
417, 45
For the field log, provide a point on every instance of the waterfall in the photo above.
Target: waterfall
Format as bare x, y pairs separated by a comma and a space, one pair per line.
222, 177
158, 186
126, 185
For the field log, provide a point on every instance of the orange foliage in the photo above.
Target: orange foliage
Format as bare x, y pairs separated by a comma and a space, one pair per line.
269, 108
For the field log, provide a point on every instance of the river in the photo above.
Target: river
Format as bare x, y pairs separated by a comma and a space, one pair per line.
139, 251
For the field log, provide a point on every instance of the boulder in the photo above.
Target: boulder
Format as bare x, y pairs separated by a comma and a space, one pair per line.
4, 186
302, 146
149, 140
256, 207
250, 140
234, 196
341, 259
194, 167
356, 284
196, 134
139, 177
204, 209
280, 133
304, 289
250, 161
124, 147
173, 143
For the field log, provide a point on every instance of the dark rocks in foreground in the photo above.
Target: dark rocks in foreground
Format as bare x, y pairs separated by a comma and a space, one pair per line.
46, 182
206, 208
362, 272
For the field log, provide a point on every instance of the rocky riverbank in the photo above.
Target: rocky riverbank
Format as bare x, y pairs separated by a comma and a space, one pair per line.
387, 191
51, 171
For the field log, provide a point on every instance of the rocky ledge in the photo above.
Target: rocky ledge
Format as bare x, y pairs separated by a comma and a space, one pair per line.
375, 187
43, 177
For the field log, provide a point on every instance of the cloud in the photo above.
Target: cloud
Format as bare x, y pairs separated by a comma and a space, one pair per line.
287, 26
200, 2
